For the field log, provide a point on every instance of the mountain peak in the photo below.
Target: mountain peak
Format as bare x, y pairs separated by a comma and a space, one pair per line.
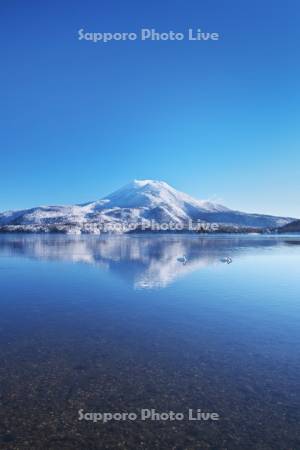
140, 193
150, 183
158, 194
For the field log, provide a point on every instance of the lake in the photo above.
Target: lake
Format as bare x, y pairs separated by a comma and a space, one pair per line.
165, 322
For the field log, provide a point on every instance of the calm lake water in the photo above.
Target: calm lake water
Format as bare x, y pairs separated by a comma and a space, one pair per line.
123, 323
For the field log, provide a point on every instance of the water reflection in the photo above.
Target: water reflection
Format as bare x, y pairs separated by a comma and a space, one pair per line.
144, 261
74, 334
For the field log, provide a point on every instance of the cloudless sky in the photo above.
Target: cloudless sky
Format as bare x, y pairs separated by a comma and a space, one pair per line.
218, 120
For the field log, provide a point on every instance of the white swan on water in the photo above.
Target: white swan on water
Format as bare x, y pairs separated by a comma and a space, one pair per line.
227, 260
182, 259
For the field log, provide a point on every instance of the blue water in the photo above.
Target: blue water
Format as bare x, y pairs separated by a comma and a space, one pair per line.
121, 323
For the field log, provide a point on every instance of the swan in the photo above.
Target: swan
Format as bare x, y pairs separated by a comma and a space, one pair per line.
182, 259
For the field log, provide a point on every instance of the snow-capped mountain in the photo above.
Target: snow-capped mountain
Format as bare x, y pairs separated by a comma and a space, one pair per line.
131, 207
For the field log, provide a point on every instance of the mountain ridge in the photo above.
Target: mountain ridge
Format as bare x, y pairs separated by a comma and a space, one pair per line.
136, 203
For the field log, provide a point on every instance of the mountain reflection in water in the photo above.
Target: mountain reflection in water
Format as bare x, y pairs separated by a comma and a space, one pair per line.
145, 261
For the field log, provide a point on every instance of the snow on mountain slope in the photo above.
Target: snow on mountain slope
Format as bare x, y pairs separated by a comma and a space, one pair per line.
138, 201
149, 193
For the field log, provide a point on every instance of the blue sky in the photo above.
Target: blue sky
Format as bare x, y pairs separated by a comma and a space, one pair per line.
218, 120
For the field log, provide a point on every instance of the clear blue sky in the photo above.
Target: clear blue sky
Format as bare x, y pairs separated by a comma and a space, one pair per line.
217, 120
